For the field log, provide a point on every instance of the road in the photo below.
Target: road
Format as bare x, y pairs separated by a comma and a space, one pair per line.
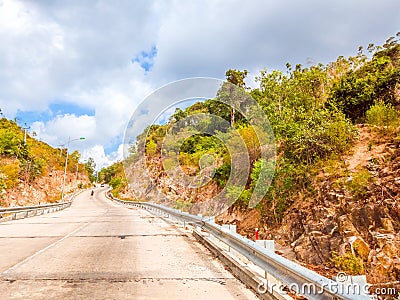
98, 249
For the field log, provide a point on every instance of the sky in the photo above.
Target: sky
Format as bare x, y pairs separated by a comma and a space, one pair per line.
80, 68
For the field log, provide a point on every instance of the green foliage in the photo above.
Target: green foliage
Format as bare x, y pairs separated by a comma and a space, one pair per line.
181, 204
357, 90
115, 170
317, 136
234, 193
151, 147
359, 182
311, 111
383, 115
90, 167
236, 77
222, 174
11, 140
10, 174
28, 160
348, 263
295, 106
256, 171
118, 184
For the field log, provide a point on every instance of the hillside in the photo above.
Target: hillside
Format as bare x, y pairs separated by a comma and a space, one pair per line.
31, 172
333, 198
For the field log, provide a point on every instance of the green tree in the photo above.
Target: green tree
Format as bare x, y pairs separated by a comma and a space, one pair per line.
237, 78
90, 167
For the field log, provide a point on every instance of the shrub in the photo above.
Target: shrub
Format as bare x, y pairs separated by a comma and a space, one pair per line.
118, 184
238, 196
151, 148
381, 114
10, 174
358, 184
181, 204
348, 263
222, 174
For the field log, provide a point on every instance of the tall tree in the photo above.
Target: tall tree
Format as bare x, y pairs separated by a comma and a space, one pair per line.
236, 77
90, 167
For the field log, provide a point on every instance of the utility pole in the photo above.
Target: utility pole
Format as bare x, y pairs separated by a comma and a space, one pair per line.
76, 176
25, 129
66, 163
61, 148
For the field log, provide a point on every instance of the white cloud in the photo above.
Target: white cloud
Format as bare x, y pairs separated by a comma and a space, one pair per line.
206, 38
81, 52
58, 130
102, 160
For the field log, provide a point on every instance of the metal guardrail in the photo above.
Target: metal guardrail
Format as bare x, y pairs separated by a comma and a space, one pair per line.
287, 271
37, 209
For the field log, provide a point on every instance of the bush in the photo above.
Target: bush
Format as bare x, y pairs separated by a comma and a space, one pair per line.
381, 114
222, 174
118, 184
181, 204
319, 135
10, 174
359, 183
31, 169
236, 195
348, 263
151, 148
357, 90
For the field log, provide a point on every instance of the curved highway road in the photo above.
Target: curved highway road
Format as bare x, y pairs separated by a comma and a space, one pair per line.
98, 249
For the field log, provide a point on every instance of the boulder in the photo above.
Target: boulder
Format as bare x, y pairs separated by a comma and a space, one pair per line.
387, 225
346, 227
360, 248
385, 261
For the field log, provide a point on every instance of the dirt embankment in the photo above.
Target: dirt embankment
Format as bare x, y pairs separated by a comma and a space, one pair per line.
44, 189
361, 220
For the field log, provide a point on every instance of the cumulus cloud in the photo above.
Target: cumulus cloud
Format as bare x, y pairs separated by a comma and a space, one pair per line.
59, 130
102, 160
206, 38
107, 56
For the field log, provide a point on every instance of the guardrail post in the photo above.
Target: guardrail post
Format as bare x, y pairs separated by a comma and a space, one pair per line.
267, 244
211, 219
198, 228
232, 229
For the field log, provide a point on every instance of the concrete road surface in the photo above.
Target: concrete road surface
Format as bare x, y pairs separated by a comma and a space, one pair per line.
97, 249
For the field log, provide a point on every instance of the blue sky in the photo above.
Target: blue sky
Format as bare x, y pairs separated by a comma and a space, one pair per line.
56, 108
146, 59
80, 68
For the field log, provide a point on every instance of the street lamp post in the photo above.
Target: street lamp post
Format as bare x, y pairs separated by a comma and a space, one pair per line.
76, 176
66, 163
25, 129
